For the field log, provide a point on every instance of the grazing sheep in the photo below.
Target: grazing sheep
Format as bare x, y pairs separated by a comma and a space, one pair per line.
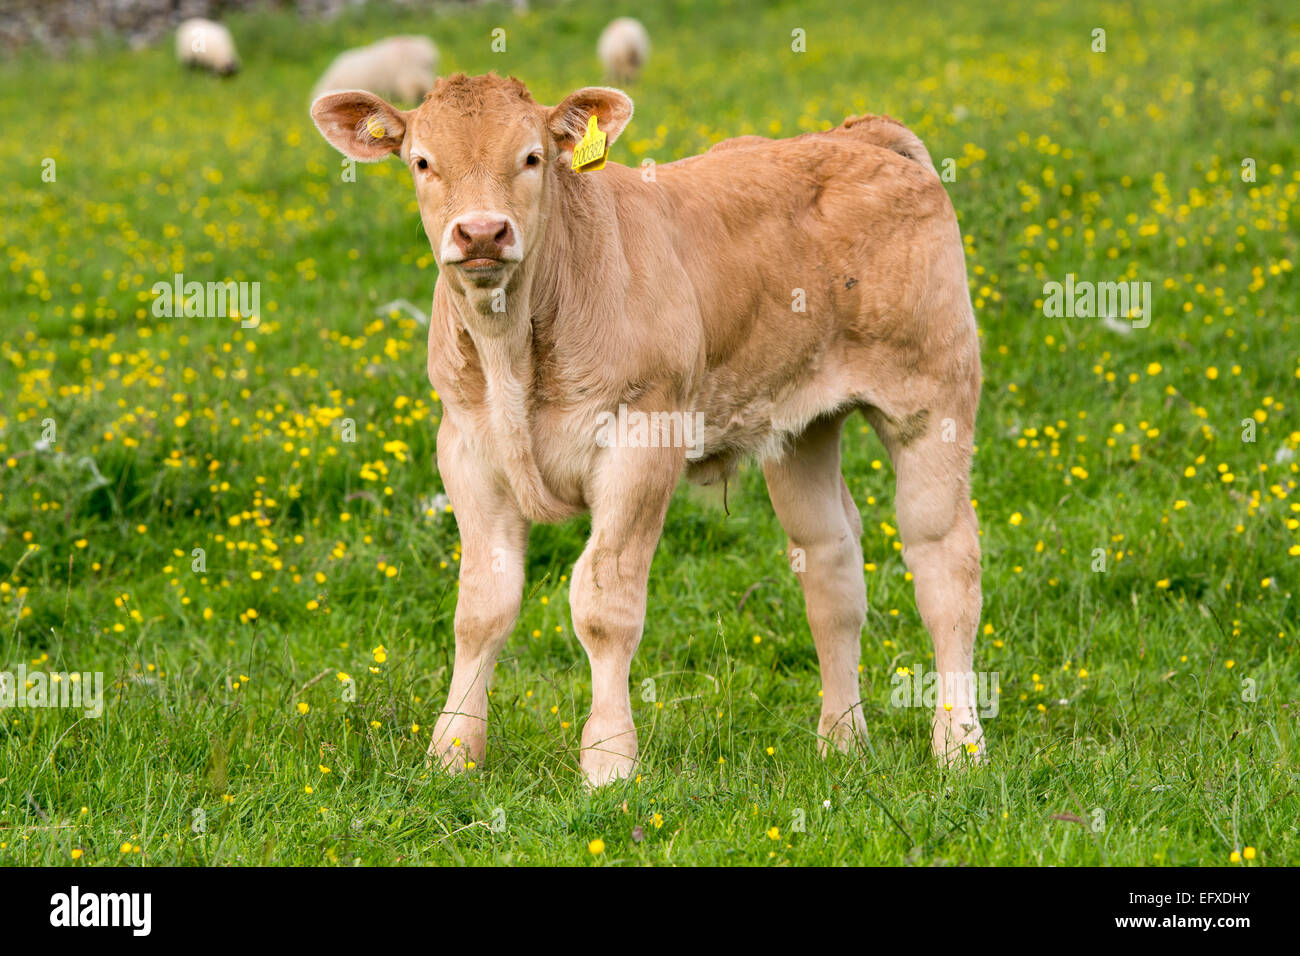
402, 67
202, 43
624, 47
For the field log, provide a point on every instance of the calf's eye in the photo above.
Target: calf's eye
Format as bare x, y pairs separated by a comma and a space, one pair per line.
532, 160
422, 163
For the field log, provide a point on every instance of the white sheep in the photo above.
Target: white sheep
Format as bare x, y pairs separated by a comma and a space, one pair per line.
623, 48
208, 45
400, 67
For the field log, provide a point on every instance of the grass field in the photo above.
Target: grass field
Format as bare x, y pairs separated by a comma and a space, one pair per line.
1148, 712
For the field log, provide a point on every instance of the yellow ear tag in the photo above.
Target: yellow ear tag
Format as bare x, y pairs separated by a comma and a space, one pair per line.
375, 128
591, 152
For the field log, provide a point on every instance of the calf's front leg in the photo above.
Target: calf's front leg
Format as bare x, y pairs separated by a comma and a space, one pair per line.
629, 496
494, 536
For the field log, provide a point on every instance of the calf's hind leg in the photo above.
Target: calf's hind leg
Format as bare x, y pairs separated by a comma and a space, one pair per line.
940, 537
824, 528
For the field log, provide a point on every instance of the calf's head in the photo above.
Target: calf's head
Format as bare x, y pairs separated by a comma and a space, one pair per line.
485, 158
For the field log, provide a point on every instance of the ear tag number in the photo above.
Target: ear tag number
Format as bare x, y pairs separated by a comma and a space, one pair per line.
591, 152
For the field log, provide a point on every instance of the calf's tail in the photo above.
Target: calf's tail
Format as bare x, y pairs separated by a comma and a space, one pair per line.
889, 133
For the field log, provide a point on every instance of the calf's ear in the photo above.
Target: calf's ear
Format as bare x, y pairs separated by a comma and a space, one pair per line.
568, 121
360, 125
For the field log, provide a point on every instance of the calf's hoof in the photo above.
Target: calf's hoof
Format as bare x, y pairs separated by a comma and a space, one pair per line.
844, 732
457, 743
608, 753
958, 739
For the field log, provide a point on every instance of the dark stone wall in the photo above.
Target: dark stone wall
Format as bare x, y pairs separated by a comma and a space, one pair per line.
58, 25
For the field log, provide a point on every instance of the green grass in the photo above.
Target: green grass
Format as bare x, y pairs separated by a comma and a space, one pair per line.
1121, 691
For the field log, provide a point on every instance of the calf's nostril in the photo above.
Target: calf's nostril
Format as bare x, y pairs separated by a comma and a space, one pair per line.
474, 235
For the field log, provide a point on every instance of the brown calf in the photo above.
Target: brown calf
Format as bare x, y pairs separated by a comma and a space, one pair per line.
764, 291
